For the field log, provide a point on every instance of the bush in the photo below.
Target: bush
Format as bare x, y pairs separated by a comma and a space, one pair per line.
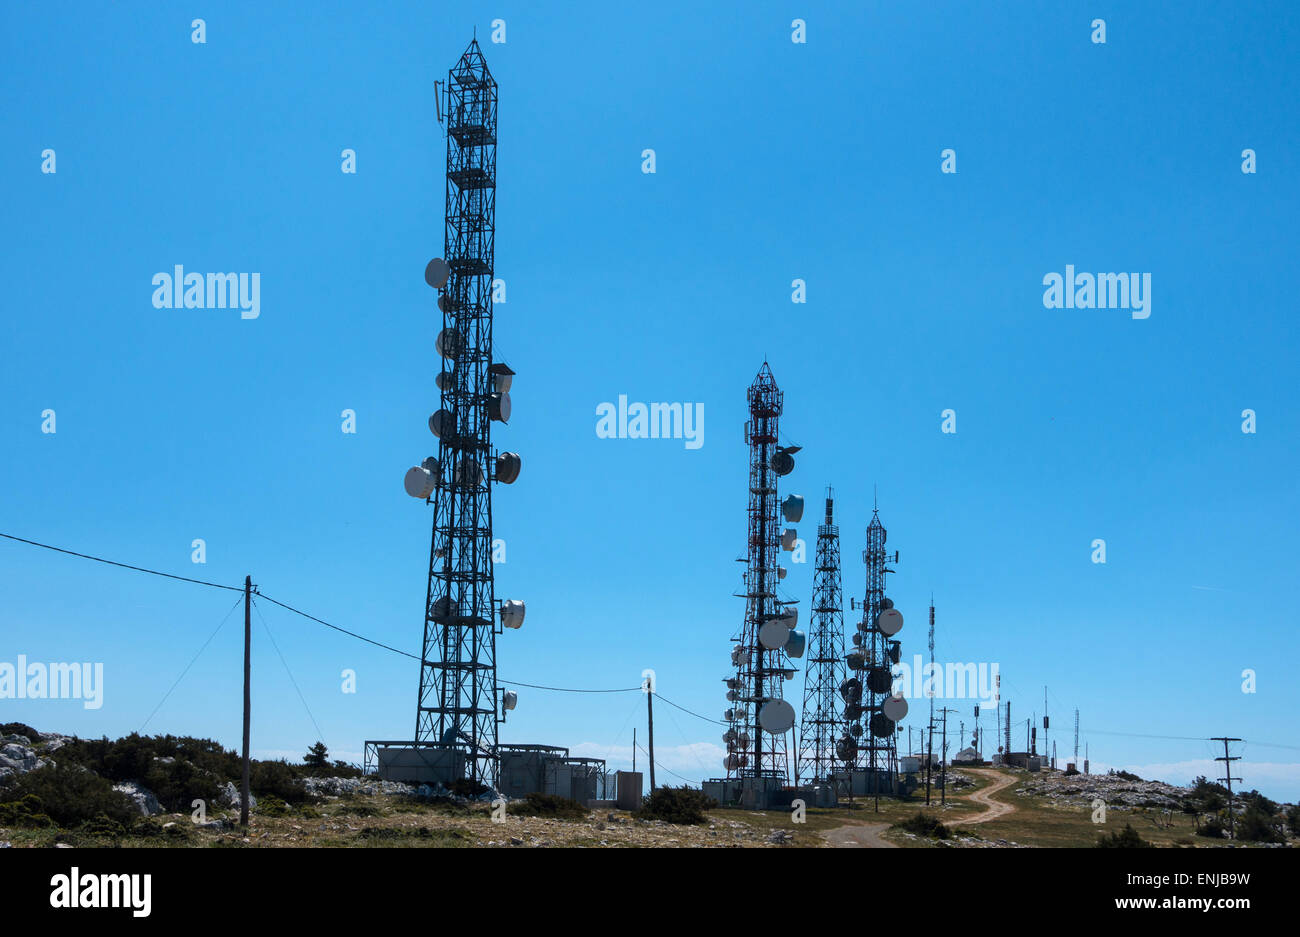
276, 779
102, 826
27, 811
1293, 819
1256, 800
271, 806
548, 805
20, 728
683, 806
1211, 829
468, 787
1258, 827
1125, 775
1126, 838
71, 795
923, 824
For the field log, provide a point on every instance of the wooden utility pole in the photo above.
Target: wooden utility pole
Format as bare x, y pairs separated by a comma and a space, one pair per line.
1227, 764
650, 710
248, 693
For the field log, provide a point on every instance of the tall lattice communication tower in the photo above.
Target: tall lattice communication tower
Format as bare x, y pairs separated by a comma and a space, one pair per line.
759, 717
823, 721
460, 703
870, 700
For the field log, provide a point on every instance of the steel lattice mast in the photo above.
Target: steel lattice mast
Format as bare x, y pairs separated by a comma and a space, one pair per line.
760, 671
875, 654
823, 721
458, 680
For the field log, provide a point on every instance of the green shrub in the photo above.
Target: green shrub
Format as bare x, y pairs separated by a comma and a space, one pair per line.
1126, 838
924, 824
271, 806
548, 805
102, 826
683, 805
277, 779
20, 728
468, 787
71, 795
1212, 828
1293, 819
1258, 827
27, 811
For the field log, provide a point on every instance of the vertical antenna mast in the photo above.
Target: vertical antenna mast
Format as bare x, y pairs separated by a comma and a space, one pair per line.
457, 709
824, 681
759, 717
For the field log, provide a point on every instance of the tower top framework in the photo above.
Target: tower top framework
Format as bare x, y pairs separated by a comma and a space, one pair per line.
759, 718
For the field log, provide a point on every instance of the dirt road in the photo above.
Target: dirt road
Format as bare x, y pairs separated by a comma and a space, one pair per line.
863, 835
993, 809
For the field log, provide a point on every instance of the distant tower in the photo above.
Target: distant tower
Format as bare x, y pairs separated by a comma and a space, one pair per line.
457, 710
1076, 740
822, 720
874, 654
759, 717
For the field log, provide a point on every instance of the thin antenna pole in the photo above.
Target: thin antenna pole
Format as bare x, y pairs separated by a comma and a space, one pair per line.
248, 694
650, 711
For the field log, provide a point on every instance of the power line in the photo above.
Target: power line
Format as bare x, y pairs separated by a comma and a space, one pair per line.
319, 734
685, 710
139, 569
359, 637
662, 768
191, 663
565, 689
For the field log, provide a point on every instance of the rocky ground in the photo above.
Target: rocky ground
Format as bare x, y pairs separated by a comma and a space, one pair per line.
1081, 789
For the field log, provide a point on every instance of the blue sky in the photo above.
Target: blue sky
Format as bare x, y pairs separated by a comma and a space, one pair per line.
775, 161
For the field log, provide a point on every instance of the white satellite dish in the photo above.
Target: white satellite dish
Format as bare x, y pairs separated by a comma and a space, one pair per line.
780, 572
792, 509
773, 635
895, 708
731, 763
509, 700
448, 343
794, 647
886, 603
419, 482
444, 303
732, 696
889, 622
512, 613
776, 716
499, 407
782, 463
788, 537
442, 423
508, 465
436, 273
789, 617
442, 380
